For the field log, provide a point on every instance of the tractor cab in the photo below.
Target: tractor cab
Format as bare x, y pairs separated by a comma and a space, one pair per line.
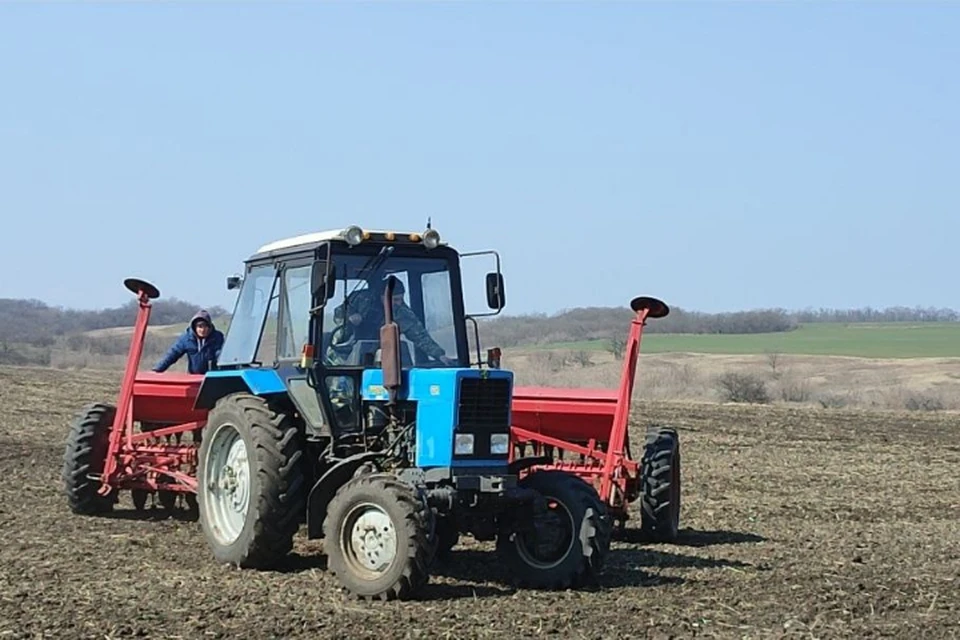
311, 308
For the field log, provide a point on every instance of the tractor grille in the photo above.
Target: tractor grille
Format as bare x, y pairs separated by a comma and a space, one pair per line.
484, 404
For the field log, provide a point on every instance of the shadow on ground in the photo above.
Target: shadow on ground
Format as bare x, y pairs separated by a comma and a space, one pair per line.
151, 514
694, 538
296, 562
444, 591
624, 567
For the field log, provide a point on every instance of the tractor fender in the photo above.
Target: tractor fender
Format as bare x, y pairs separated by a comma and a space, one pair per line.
326, 487
221, 383
520, 464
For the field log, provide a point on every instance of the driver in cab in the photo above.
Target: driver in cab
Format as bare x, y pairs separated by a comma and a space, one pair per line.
365, 317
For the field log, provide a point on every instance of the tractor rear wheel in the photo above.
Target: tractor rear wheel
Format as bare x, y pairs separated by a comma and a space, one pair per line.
250, 483
660, 485
569, 541
84, 458
377, 538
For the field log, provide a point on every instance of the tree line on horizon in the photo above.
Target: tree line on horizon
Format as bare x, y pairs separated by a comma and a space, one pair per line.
603, 323
38, 324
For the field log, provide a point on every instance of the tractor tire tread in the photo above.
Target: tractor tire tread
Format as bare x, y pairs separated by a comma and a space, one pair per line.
658, 493
596, 532
277, 509
416, 571
84, 455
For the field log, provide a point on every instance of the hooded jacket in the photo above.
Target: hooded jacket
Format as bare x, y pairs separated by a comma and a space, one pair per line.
200, 353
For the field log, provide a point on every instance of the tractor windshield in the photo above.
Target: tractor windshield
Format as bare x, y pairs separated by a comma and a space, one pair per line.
422, 307
246, 324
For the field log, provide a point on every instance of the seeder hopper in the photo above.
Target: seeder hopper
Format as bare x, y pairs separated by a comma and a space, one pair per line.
586, 432
388, 447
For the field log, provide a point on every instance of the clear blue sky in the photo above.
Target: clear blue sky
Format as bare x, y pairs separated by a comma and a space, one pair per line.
720, 156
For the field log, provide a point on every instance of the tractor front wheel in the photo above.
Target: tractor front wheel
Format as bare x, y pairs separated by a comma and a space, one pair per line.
377, 538
660, 485
250, 484
84, 458
569, 539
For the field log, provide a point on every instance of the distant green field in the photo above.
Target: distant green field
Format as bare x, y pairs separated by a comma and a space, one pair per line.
882, 340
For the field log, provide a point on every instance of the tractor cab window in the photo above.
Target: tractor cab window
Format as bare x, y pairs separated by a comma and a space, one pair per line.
246, 324
422, 307
295, 314
438, 309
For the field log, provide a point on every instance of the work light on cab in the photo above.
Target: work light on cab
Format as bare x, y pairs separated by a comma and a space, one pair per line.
353, 235
431, 238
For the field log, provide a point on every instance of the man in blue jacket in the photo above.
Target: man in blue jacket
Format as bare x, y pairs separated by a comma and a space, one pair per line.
201, 343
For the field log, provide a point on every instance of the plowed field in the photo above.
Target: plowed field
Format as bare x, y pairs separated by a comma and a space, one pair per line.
797, 523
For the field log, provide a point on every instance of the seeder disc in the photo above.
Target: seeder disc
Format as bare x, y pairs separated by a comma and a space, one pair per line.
657, 308
136, 285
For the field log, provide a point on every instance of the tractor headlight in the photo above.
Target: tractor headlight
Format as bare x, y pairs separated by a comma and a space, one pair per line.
499, 444
431, 238
463, 444
353, 235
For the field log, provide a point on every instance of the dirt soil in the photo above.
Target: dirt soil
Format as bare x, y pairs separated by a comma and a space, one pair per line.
797, 523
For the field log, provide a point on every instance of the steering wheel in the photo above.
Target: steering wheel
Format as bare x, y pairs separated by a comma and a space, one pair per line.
342, 331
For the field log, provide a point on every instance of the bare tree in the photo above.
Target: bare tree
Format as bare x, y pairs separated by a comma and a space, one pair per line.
773, 359
618, 346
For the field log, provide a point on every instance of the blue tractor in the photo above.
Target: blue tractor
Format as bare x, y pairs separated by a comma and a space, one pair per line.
346, 399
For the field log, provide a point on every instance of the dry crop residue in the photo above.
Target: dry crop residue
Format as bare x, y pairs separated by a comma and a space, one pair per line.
797, 523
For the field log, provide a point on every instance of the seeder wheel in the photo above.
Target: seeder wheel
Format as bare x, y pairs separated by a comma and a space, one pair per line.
660, 485
447, 535
168, 499
84, 456
139, 497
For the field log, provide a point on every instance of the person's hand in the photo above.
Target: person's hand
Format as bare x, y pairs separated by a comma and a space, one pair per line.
355, 319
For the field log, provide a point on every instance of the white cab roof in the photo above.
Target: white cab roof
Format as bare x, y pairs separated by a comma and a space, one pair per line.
317, 237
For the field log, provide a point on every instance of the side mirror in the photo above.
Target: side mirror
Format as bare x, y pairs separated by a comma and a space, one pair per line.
496, 298
321, 282
234, 282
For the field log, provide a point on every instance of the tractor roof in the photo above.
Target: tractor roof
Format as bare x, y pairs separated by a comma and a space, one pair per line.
311, 240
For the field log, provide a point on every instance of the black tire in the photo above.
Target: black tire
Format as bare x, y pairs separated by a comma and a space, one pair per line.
444, 538
84, 456
447, 535
577, 515
139, 497
397, 506
660, 485
273, 481
168, 499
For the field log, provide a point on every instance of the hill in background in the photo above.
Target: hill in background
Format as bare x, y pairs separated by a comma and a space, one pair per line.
32, 332
593, 328
749, 356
